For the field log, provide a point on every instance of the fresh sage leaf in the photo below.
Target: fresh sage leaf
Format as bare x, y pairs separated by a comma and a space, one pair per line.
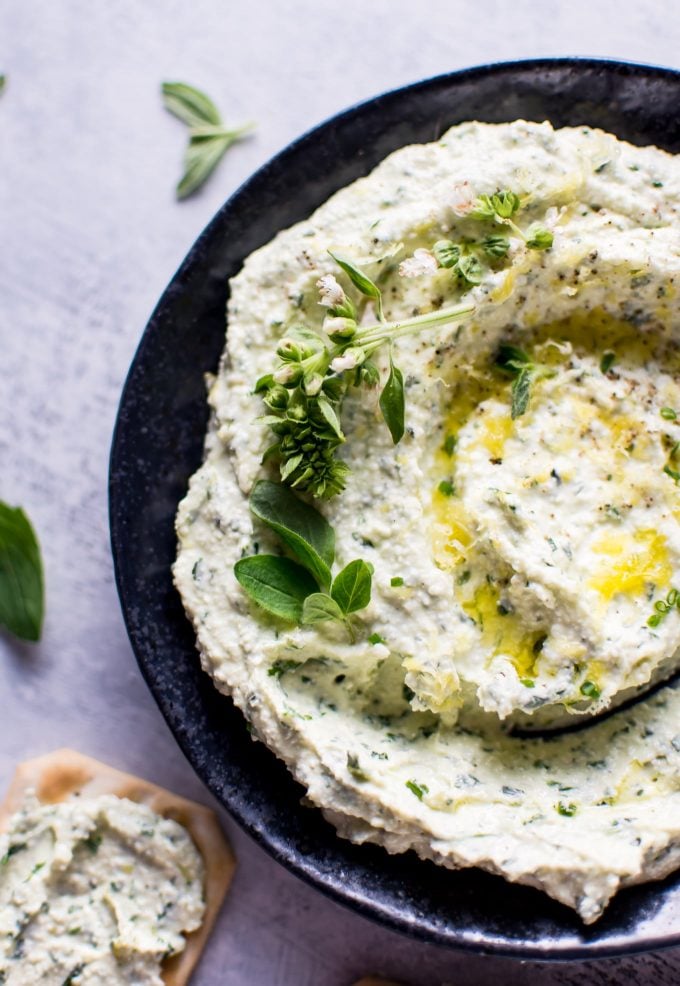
22, 601
393, 403
189, 104
362, 282
278, 585
301, 527
202, 157
319, 607
351, 587
209, 139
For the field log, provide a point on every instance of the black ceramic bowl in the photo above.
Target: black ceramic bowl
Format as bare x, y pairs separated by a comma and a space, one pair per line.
158, 443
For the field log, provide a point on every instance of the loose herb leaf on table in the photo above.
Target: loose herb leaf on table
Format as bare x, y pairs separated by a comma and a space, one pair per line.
209, 139
21, 575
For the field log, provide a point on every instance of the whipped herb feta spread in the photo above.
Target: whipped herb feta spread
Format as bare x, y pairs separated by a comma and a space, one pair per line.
523, 535
95, 891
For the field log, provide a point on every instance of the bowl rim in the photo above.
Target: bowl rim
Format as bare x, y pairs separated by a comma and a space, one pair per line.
374, 911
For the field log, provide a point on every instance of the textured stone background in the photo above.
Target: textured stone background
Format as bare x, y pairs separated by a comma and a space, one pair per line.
90, 236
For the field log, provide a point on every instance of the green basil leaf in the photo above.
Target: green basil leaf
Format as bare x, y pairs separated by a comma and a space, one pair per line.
189, 104
22, 601
202, 157
361, 281
278, 585
319, 607
301, 527
521, 391
393, 404
351, 587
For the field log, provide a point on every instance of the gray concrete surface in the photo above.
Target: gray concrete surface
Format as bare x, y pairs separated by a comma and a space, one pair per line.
90, 236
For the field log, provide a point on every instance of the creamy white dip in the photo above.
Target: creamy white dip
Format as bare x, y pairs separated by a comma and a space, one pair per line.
94, 891
516, 561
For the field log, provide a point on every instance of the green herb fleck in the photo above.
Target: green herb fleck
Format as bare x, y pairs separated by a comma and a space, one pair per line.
449, 445
355, 770
375, 638
607, 361
396, 581
73, 975
590, 690
527, 682
93, 842
668, 413
209, 139
418, 789
17, 847
446, 487
280, 667
567, 810
673, 473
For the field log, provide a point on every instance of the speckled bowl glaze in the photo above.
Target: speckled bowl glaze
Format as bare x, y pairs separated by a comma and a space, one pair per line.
158, 444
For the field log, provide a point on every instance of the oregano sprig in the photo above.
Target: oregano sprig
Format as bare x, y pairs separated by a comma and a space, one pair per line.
209, 139
304, 393
501, 207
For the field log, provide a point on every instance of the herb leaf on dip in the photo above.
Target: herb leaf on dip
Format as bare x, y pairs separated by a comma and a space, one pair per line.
290, 590
278, 585
303, 529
